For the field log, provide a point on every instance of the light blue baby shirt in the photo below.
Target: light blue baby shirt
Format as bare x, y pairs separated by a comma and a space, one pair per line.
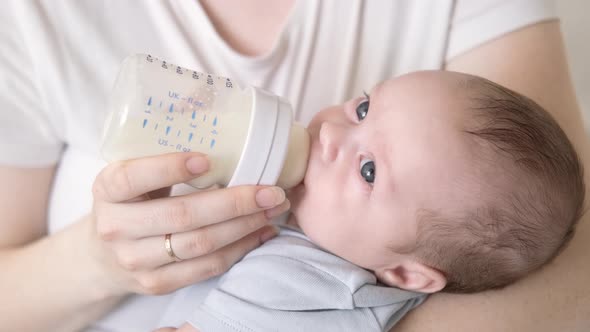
290, 284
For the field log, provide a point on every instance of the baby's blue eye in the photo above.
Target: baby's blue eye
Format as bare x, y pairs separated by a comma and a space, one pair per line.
368, 170
362, 109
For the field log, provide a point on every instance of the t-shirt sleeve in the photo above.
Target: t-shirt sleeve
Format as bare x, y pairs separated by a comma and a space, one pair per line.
476, 22
27, 137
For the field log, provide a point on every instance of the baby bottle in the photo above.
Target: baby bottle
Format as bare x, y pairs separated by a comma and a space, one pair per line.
248, 134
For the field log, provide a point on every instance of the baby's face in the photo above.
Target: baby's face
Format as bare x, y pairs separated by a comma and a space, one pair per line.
374, 163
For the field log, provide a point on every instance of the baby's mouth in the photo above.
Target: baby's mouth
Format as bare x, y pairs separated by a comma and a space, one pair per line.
297, 190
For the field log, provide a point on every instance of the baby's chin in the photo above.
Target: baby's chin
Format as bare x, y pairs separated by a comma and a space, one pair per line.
296, 196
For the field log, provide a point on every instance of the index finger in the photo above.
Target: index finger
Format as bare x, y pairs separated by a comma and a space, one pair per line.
196, 210
124, 180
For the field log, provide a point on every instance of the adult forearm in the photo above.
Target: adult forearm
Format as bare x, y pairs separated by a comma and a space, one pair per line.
556, 298
52, 284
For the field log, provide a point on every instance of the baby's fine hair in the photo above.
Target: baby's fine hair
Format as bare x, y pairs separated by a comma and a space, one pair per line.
522, 227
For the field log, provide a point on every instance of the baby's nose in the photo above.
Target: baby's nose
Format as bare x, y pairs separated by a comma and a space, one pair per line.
331, 136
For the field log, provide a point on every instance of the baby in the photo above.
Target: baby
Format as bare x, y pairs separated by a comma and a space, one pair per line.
438, 181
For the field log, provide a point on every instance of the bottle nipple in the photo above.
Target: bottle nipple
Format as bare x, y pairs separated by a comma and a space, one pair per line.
295, 164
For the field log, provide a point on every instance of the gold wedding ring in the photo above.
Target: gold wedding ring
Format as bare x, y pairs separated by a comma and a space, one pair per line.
168, 245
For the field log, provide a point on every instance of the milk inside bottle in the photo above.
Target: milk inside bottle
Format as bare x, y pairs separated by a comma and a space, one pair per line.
247, 133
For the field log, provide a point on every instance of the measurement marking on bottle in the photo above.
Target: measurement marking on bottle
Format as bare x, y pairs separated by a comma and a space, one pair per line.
193, 116
171, 108
145, 121
160, 104
178, 134
201, 142
204, 117
212, 144
167, 130
190, 137
150, 101
156, 127
214, 132
215, 121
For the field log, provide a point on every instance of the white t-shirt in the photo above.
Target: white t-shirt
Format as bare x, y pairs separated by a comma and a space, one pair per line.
59, 59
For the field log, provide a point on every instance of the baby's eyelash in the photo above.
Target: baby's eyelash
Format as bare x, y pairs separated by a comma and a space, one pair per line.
366, 95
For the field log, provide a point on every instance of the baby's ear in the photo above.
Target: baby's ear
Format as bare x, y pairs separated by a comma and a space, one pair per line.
413, 276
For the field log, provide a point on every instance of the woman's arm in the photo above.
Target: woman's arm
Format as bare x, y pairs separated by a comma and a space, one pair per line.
64, 281
44, 279
531, 61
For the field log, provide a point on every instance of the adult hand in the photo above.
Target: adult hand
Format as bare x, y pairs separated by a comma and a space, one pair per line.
210, 230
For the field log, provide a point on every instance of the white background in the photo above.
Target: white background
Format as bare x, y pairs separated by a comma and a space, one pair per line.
575, 25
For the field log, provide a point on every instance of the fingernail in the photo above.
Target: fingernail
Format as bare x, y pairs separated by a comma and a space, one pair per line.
269, 233
197, 164
277, 210
270, 197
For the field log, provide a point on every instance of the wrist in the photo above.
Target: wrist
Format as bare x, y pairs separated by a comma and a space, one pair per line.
68, 286
105, 286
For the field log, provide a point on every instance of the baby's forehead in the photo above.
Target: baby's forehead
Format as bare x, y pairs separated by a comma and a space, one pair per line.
424, 96
437, 86
425, 77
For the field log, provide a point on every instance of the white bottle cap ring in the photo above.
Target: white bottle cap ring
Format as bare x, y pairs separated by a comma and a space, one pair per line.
280, 144
266, 145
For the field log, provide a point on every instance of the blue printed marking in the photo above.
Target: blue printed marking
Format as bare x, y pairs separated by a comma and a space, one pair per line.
171, 108
215, 121
144, 122
193, 116
150, 101
167, 130
212, 143
214, 132
178, 134
190, 137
